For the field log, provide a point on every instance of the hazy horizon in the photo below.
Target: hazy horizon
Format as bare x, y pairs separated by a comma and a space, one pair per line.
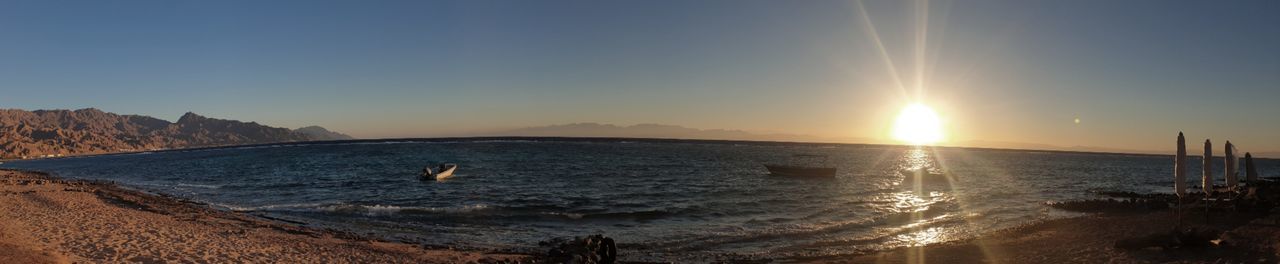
667, 131
1134, 73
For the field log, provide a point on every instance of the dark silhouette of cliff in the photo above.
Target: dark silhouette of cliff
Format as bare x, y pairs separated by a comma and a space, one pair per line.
44, 133
319, 133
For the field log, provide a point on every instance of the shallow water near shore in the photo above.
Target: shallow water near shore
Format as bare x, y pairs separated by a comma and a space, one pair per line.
660, 200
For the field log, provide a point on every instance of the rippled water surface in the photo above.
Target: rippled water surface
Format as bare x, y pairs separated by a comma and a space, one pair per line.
661, 200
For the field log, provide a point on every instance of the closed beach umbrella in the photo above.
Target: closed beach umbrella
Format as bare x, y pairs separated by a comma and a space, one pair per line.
1180, 167
1250, 170
1206, 176
1229, 165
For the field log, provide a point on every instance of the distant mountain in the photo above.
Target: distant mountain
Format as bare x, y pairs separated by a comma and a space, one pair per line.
655, 131
1034, 146
42, 133
319, 133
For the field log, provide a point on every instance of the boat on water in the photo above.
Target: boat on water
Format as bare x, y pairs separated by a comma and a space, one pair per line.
445, 171
811, 169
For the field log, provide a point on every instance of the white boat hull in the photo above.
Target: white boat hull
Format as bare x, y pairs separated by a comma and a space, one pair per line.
441, 175
448, 172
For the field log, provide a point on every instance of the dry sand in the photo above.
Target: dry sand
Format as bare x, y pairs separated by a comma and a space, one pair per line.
47, 220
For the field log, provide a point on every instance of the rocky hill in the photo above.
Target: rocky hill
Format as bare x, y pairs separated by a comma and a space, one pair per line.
43, 133
319, 133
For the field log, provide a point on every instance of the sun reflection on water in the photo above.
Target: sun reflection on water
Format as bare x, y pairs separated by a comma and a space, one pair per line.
931, 203
922, 237
930, 189
916, 159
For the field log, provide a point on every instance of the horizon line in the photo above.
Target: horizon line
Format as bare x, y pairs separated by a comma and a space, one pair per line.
609, 139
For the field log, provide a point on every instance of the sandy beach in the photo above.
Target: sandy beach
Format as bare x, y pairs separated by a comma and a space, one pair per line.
1113, 236
48, 220
1088, 239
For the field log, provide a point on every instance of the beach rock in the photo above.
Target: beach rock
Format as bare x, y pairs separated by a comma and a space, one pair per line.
1161, 240
1187, 238
593, 249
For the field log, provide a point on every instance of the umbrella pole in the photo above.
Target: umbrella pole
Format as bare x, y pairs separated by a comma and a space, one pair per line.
1208, 202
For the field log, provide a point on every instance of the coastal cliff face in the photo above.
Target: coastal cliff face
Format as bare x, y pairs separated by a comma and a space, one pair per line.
45, 133
319, 133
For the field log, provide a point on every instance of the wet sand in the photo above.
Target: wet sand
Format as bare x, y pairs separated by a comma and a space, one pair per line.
48, 220
1242, 237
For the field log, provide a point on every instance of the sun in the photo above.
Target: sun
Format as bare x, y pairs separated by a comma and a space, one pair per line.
918, 125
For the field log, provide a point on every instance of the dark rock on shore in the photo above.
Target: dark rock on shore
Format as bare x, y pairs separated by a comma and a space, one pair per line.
1135, 195
593, 249
1112, 205
1188, 238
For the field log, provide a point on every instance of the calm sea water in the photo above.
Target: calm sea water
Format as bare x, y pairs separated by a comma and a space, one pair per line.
660, 200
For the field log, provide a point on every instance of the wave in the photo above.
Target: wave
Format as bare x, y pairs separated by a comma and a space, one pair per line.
499, 141
202, 186
941, 212
273, 207
475, 210
375, 209
393, 209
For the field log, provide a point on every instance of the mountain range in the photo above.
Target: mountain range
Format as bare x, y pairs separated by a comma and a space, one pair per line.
658, 131
51, 133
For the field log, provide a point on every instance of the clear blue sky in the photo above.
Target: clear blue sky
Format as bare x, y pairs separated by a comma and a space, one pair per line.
1134, 72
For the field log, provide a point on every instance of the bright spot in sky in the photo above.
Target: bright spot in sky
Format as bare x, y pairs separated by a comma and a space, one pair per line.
918, 124
1077, 120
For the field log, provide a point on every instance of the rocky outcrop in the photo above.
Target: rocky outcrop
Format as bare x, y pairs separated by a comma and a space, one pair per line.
51, 133
319, 133
593, 249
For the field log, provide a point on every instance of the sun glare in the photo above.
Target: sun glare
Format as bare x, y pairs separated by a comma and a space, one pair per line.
918, 125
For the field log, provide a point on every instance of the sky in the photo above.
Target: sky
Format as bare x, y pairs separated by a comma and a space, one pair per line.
1133, 72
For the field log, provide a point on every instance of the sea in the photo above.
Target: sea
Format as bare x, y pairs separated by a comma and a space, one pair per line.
671, 200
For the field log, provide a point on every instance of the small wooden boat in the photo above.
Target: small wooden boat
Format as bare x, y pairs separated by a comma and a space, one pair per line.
446, 171
802, 170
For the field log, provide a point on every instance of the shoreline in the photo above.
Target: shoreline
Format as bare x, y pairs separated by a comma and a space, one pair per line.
46, 219
1115, 231
51, 220
1093, 238
590, 139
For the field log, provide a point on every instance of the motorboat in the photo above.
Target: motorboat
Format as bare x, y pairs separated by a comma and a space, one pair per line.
445, 171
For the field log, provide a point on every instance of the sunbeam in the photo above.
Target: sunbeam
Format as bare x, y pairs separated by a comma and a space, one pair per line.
884, 54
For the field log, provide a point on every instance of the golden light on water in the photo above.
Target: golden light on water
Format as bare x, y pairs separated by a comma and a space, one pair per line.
918, 124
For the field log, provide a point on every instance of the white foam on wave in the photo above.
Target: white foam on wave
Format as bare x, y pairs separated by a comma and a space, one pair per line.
271, 207
204, 186
374, 210
574, 216
378, 209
